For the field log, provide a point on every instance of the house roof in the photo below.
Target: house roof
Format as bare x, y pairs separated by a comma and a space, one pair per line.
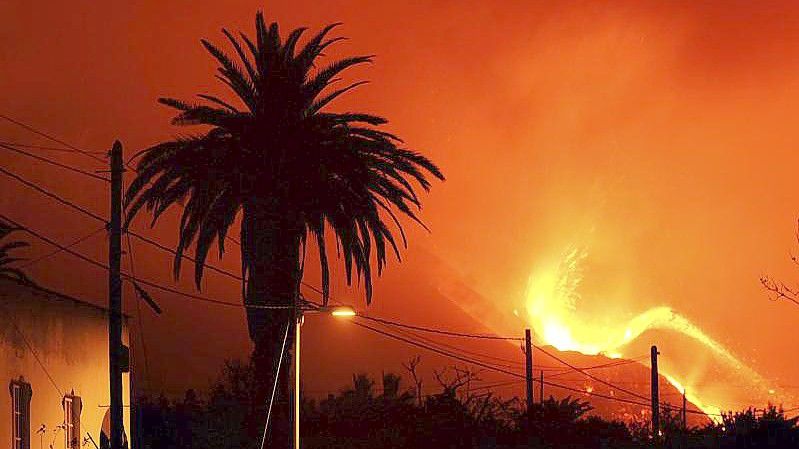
52, 294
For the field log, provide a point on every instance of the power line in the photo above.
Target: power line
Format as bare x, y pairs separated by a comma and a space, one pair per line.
139, 236
97, 217
128, 276
493, 337
211, 267
605, 365
498, 385
493, 368
442, 332
589, 375
150, 241
406, 340
83, 210
131, 260
511, 364
439, 351
52, 195
520, 376
51, 138
565, 387
46, 148
10, 146
146, 282
628, 382
58, 250
55, 163
201, 298
32, 351
225, 303
127, 164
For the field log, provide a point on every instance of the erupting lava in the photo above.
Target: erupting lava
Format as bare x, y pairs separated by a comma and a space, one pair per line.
552, 310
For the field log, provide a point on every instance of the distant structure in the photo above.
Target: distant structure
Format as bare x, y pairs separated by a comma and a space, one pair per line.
54, 370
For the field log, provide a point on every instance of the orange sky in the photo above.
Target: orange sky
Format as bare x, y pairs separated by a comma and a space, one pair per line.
660, 134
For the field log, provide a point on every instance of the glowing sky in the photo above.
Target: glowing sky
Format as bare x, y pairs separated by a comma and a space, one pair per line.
661, 135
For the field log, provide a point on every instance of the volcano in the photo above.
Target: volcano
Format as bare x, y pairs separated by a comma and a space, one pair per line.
616, 349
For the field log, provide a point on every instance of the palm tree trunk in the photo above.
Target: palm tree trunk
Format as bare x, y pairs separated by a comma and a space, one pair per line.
271, 245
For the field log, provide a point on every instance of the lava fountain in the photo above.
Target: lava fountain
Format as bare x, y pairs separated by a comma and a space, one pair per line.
552, 306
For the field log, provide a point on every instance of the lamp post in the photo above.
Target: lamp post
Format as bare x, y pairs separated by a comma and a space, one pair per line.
336, 311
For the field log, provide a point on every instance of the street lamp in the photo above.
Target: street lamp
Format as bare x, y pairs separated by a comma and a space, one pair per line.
343, 311
306, 307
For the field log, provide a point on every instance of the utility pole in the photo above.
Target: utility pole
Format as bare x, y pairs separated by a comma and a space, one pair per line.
115, 297
655, 394
528, 355
684, 420
541, 387
300, 319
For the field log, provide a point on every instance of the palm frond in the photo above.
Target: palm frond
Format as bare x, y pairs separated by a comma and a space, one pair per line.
6, 259
307, 169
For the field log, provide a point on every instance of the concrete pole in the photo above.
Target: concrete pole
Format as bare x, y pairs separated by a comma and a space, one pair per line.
655, 394
297, 381
115, 298
684, 420
541, 387
528, 356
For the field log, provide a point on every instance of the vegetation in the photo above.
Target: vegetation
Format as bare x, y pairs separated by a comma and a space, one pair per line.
285, 166
459, 415
6, 259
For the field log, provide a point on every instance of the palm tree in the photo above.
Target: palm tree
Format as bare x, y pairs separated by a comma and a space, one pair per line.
289, 169
6, 260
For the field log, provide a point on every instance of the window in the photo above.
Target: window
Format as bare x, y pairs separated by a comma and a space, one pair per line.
20, 414
16, 397
72, 409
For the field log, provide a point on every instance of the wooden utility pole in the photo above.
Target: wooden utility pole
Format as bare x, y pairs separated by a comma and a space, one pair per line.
684, 413
541, 387
297, 328
115, 297
528, 356
655, 394
684, 420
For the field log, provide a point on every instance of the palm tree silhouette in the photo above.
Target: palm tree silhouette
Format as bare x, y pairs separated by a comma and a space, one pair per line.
6, 260
289, 169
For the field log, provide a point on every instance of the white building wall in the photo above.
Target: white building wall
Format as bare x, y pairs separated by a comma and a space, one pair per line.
70, 339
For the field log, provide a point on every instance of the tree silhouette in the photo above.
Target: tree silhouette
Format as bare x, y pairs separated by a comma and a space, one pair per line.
753, 428
6, 259
455, 416
289, 169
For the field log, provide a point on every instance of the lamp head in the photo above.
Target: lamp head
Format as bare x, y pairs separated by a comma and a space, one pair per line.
342, 311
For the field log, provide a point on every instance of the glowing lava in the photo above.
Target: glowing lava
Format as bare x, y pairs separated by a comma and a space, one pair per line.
552, 301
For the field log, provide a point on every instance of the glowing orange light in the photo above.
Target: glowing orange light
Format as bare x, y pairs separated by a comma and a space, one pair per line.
343, 311
552, 298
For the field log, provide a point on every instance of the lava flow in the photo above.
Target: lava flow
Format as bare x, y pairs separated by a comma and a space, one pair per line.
552, 300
